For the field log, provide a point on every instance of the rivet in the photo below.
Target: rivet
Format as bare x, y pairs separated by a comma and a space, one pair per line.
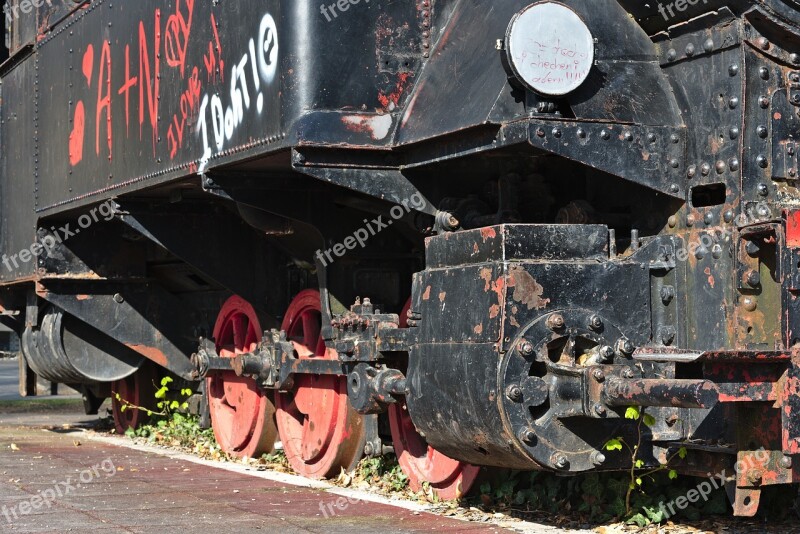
705, 169
691, 172
709, 218
734, 164
764, 73
763, 101
674, 188
605, 135
581, 133
733, 70
674, 138
690, 49
708, 45
716, 251
733, 103
762, 132
763, 43
720, 166
762, 161
674, 163
672, 221
651, 137
763, 190
728, 216
671, 54
556, 133
734, 132
749, 304
690, 220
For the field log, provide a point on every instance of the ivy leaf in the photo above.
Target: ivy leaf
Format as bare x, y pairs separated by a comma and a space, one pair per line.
632, 413
638, 481
185, 406
161, 393
682, 452
614, 444
166, 380
672, 474
174, 405
640, 520
123, 408
186, 392
639, 464
649, 420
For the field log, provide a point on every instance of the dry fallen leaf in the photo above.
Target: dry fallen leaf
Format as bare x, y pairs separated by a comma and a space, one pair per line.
76, 443
14, 447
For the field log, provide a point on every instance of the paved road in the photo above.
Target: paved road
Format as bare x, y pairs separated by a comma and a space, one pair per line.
63, 482
9, 388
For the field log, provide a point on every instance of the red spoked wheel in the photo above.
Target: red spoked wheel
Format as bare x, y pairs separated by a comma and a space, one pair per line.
448, 478
137, 390
242, 415
320, 431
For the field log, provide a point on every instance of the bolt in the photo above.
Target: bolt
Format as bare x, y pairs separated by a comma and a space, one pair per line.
786, 462
559, 461
628, 373
118, 298
667, 294
752, 278
526, 348
555, 322
600, 410
514, 393
606, 353
626, 346
595, 322
598, 375
671, 419
528, 436
598, 458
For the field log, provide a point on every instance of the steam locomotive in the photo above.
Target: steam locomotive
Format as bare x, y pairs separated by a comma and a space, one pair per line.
471, 232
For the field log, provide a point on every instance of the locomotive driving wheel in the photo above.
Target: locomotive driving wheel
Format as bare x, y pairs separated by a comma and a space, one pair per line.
136, 391
448, 478
320, 431
242, 415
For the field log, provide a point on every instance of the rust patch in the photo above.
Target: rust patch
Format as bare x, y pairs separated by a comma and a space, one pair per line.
711, 280
151, 353
83, 297
442, 296
494, 311
526, 289
488, 233
486, 276
478, 329
427, 294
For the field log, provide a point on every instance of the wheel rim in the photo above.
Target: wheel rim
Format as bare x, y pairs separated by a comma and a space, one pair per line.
242, 415
448, 478
320, 431
137, 389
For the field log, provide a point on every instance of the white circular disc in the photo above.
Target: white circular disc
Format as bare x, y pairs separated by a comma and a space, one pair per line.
550, 48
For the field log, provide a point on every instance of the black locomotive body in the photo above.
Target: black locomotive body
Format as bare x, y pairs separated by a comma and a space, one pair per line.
588, 205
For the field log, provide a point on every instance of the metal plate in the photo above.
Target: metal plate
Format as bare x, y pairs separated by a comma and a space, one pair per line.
550, 48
